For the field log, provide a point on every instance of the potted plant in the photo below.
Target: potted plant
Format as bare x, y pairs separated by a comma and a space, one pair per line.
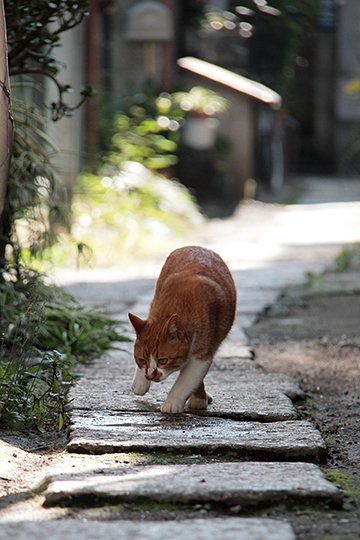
201, 106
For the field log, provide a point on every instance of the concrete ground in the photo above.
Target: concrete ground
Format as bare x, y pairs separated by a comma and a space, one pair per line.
132, 472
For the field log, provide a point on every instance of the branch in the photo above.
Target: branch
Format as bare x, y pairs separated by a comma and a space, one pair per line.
25, 43
59, 109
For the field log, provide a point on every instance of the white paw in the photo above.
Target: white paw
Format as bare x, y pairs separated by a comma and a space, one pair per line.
140, 387
172, 406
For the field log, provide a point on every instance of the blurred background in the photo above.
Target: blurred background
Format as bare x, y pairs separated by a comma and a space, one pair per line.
187, 108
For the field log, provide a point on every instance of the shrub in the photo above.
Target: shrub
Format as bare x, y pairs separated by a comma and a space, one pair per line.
132, 213
147, 131
44, 334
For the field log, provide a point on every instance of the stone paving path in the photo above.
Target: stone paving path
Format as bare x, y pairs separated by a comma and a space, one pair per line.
250, 450
252, 420
226, 529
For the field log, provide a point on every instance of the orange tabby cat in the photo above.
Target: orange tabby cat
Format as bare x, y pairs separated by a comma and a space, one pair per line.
192, 312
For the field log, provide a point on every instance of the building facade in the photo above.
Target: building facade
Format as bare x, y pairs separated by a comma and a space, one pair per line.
130, 43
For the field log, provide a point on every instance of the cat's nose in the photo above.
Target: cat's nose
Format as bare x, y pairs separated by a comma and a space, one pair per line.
151, 374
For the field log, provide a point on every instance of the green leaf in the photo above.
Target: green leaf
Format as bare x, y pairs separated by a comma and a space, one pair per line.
38, 388
61, 421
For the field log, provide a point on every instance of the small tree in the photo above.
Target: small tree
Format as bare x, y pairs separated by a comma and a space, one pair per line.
34, 31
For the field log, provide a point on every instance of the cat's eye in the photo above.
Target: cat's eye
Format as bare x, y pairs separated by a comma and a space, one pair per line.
141, 361
162, 361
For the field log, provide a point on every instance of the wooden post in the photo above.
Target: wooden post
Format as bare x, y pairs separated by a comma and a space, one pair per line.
6, 120
6, 134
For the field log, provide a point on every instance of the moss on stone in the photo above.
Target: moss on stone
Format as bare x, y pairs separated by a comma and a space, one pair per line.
349, 484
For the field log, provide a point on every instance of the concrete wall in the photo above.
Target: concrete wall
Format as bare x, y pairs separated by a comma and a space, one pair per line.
238, 126
347, 106
68, 132
324, 83
132, 62
337, 63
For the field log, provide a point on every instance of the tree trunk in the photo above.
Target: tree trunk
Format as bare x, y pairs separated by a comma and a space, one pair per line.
6, 132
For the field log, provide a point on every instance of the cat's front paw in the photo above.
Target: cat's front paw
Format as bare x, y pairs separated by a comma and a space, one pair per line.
140, 384
140, 387
172, 406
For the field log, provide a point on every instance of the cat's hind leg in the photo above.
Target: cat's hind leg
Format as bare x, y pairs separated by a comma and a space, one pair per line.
199, 399
140, 384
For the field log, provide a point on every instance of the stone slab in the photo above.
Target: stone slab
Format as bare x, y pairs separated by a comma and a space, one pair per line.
335, 283
228, 378
249, 397
109, 294
195, 529
236, 346
238, 339
104, 432
229, 483
245, 320
239, 387
250, 301
251, 402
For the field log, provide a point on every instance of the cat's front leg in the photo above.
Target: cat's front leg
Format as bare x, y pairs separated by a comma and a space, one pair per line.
187, 382
140, 384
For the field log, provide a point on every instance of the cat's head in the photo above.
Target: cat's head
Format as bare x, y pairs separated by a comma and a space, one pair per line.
161, 347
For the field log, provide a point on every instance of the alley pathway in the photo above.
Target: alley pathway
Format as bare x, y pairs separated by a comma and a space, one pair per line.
198, 475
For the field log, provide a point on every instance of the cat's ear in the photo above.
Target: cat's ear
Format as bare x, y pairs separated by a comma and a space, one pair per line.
175, 328
137, 323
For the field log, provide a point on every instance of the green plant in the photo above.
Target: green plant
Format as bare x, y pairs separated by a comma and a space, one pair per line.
33, 33
44, 334
131, 213
200, 101
350, 160
345, 536
34, 393
147, 131
343, 261
33, 188
346, 258
347, 481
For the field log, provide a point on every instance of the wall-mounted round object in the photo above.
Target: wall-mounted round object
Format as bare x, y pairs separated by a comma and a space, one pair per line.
149, 21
